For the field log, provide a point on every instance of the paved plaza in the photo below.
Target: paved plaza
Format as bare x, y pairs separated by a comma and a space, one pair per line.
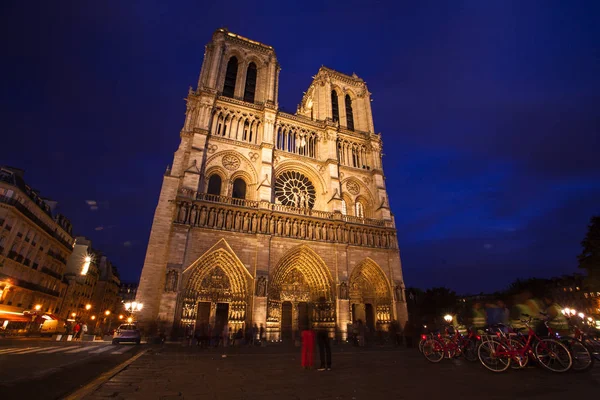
175, 372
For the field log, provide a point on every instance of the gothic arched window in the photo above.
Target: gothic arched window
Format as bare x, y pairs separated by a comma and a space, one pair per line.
214, 185
230, 77
360, 210
344, 208
239, 189
349, 115
335, 109
250, 83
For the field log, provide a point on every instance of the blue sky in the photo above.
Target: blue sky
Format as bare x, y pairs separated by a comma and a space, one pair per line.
488, 111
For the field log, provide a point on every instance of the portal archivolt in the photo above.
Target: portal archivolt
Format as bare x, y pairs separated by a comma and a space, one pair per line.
303, 282
217, 277
370, 294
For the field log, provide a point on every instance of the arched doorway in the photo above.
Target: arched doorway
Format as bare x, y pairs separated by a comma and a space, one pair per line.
370, 296
216, 293
300, 295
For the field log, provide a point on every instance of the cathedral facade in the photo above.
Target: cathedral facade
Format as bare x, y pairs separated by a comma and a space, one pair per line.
271, 218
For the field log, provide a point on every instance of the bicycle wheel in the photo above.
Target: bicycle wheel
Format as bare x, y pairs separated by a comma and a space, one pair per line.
493, 355
470, 350
519, 358
582, 357
553, 355
451, 349
593, 346
421, 343
433, 350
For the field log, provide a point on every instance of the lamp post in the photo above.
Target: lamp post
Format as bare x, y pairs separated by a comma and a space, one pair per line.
448, 318
131, 308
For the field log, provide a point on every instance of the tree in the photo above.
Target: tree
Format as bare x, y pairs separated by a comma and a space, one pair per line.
589, 259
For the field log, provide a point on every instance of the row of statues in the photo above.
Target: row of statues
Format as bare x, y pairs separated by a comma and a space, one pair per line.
255, 222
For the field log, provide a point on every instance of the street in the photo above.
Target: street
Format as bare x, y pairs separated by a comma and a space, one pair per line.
35, 368
274, 372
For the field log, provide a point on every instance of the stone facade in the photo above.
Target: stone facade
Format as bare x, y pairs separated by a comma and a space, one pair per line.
270, 218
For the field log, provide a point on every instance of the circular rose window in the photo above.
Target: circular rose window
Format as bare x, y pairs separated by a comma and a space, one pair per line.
295, 190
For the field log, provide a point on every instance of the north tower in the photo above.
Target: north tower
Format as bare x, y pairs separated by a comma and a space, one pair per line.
273, 218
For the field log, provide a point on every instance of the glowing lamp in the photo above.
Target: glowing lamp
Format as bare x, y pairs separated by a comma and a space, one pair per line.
88, 306
93, 317
130, 320
448, 318
107, 313
581, 315
121, 316
38, 307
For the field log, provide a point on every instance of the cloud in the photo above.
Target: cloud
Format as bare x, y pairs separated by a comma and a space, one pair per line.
127, 244
99, 228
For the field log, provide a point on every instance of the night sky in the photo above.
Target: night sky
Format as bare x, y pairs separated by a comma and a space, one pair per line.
489, 113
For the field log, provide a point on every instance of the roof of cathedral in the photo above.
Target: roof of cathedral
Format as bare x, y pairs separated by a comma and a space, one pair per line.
244, 39
341, 74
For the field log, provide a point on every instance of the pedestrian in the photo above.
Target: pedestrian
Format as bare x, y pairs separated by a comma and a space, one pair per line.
408, 334
189, 334
324, 349
263, 337
254, 334
308, 347
76, 331
225, 335
84, 329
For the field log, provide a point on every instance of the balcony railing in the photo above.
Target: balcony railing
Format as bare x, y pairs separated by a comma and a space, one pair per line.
216, 212
36, 220
213, 198
53, 274
30, 286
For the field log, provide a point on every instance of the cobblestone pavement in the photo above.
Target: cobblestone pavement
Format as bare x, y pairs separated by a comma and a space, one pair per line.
274, 372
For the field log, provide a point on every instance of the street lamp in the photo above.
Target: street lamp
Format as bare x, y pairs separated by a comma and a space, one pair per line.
132, 307
88, 306
93, 317
121, 316
130, 320
107, 313
73, 315
38, 307
581, 315
448, 318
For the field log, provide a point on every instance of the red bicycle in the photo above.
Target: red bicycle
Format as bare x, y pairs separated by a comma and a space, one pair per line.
497, 352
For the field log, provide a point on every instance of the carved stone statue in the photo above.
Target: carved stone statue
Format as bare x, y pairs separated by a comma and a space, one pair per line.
220, 219
261, 286
263, 224
343, 291
211, 217
398, 292
202, 219
246, 222
193, 215
295, 229
171, 281
228, 219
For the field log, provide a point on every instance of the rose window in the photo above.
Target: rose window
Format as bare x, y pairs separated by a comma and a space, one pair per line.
295, 190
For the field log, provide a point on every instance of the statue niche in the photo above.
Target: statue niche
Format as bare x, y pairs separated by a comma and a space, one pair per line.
171, 281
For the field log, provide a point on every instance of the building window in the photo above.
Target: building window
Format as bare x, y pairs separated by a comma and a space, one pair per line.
335, 109
250, 83
214, 185
344, 208
360, 210
239, 189
349, 115
230, 77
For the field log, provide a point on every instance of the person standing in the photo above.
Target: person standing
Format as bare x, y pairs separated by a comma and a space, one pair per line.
76, 331
84, 329
308, 347
225, 335
324, 349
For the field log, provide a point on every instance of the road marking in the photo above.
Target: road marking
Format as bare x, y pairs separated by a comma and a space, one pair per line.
65, 348
102, 349
37, 350
12, 349
95, 384
80, 349
123, 350
25, 350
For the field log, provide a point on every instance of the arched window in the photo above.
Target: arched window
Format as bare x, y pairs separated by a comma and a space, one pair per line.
230, 77
250, 83
344, 208
239, 189
360, 210
335, 110
349, 115
214, 185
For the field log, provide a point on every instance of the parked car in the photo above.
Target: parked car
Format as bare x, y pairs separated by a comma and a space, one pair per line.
127, 333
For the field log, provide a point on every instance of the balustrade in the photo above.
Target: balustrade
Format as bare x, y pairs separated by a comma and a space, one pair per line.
286, 221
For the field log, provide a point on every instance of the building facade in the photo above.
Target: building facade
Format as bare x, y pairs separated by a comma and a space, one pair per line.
34, 248
272, 218
81, 276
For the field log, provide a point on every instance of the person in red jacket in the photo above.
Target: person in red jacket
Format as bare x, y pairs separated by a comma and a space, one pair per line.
308, 346
77, 331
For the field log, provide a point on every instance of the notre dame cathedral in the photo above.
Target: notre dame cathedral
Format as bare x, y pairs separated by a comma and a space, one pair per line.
273, 218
